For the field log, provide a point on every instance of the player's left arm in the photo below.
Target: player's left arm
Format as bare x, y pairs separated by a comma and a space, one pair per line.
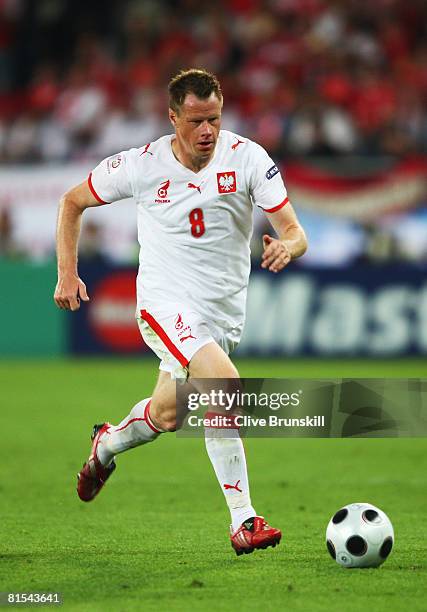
290, 243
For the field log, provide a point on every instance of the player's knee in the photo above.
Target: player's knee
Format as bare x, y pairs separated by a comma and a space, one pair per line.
232, 371
168, 423
164, 418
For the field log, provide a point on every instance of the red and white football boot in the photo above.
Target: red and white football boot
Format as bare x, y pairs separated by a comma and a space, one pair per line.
252, 534
93, 475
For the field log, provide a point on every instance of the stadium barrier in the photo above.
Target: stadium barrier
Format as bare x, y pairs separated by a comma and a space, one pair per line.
359, 311
31, 325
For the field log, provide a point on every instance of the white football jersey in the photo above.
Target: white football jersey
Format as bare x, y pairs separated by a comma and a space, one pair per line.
194, 228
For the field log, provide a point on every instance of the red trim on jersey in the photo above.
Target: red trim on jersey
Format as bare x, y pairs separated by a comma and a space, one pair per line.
91, 187
156, 327
148, 418
278, 207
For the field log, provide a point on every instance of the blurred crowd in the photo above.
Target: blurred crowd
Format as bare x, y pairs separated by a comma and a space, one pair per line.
301, 77
80, 81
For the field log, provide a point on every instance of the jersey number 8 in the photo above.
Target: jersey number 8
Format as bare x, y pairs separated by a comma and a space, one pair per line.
197, 222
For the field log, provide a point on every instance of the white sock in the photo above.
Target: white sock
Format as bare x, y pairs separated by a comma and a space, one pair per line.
227, 455
136, 429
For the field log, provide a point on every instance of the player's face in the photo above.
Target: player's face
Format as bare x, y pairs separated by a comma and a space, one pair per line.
197, 126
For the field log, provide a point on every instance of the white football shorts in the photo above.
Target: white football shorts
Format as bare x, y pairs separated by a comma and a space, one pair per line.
176, 332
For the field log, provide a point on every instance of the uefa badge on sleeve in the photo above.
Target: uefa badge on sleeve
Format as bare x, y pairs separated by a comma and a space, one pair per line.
226, 182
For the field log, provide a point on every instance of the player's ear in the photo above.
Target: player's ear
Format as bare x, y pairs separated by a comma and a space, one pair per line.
172, 117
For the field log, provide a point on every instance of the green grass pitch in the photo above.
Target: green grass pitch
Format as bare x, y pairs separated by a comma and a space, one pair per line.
157, 536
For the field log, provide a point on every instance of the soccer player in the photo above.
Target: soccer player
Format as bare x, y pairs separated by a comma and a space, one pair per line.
194, 190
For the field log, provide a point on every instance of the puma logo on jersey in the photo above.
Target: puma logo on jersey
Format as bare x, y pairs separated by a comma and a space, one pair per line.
162, 193
236, 144
193, 186
147, 146
226, 182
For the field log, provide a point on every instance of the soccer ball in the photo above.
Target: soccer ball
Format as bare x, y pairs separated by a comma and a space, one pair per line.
359, 535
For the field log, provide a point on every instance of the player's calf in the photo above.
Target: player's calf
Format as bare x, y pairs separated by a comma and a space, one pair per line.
107, 441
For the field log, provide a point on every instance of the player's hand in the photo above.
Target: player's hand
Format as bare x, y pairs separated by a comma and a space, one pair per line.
276, 254
69, 290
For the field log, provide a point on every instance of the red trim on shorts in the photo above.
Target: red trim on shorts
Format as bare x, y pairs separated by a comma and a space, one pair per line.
156, 327
278, 207
91, 187
147, 418
231, 417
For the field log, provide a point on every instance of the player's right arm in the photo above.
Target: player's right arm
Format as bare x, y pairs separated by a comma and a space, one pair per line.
108, 182
70, 288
